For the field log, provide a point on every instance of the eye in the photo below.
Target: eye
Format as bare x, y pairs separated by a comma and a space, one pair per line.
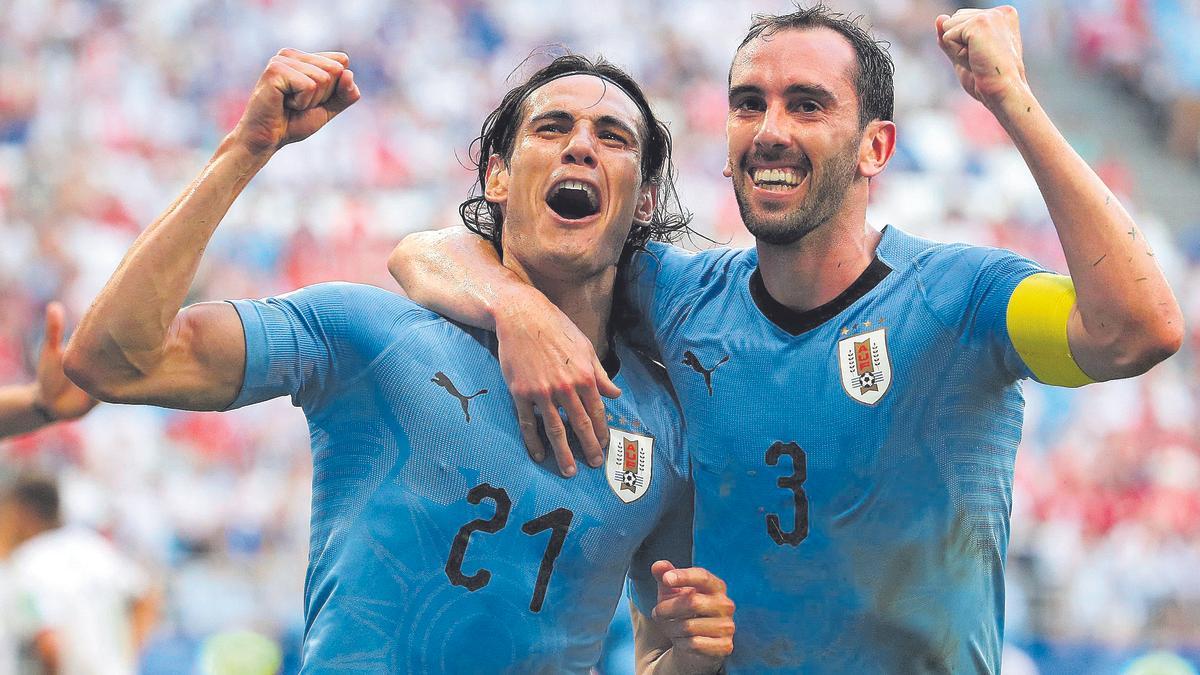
552, 127
808, 106
614, 137
749, 104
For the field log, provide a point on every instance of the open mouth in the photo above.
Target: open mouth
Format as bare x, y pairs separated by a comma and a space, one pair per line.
782, 179
573, 200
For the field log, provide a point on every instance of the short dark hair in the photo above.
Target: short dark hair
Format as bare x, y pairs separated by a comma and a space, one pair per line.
872, 82
39, 495
499, 133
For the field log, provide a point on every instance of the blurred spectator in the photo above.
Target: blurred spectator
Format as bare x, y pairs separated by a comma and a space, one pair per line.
74, 604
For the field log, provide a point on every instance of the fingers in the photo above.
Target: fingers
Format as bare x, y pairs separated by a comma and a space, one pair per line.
556, 431
581, 424
55, 320
345, 95
658, 569
709, 646
309, 80
340, 57
598, 415
323, 72
604, 383
529, 432
694, 577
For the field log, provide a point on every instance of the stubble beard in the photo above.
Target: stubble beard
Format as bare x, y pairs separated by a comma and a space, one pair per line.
827, 191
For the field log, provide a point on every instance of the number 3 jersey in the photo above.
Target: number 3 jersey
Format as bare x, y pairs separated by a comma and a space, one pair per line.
437, 544
853, 464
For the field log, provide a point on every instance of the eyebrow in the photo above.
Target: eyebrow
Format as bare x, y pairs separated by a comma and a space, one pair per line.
813, 91
603, 121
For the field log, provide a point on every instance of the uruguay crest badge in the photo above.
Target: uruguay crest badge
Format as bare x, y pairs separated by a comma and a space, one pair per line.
865, 367
629, 464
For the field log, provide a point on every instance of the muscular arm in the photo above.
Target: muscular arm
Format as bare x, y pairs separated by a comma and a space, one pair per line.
546, 360
135, 345
1125, 318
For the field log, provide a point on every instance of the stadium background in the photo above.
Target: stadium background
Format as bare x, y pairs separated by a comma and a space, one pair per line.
109, 107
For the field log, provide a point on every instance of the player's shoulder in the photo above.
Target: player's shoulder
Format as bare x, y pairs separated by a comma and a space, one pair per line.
699, 267
360, 303
942, 261
953, 278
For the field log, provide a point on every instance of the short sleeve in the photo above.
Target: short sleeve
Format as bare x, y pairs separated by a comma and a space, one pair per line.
969, 289
288, 344
671, 540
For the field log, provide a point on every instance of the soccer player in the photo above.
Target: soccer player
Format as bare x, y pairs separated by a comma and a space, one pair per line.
51, 397
852, 396
433, 550
71, 602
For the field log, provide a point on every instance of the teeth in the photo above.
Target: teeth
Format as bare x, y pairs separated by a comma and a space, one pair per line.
785, 176
580, 185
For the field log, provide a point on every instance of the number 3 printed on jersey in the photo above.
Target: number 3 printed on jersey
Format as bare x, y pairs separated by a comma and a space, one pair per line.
558, 520
795, 483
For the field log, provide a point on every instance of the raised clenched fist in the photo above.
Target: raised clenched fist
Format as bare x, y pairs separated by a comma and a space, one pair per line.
296, 95
984, 45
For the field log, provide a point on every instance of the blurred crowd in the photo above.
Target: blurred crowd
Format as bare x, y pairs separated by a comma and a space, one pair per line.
109, 107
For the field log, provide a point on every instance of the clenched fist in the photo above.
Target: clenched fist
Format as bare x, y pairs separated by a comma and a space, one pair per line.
296, 95
985, 47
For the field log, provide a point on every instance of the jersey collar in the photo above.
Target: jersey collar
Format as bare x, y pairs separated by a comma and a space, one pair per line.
794, 322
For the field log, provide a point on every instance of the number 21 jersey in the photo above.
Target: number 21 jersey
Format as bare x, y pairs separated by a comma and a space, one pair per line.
437, 544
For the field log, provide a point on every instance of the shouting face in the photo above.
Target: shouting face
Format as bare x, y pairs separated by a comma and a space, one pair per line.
572, 188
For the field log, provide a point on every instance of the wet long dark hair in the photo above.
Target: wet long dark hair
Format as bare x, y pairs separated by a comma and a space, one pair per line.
498, 136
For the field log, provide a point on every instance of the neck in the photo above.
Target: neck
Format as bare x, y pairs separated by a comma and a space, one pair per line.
586, 300
815, 270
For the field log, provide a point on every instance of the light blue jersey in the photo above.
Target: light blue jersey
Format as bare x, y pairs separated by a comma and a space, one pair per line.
437, 546
853, 464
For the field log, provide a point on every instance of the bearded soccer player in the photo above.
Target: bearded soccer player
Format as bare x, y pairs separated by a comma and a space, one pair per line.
852, 396
433, 550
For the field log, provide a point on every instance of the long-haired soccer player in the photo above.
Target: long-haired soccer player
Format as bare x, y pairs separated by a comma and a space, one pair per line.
433, 548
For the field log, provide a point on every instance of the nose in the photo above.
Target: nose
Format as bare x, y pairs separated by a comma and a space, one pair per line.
581, 147
770, 135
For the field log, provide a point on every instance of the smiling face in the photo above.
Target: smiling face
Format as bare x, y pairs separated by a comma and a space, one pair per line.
793, 130
572, 187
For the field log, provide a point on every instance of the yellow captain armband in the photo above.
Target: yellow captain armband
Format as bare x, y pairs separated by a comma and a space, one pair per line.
1037, 325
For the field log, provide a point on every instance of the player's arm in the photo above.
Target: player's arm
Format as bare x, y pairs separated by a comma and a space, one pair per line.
135, 344
49, 398
691, 628
1120, 317
546, 360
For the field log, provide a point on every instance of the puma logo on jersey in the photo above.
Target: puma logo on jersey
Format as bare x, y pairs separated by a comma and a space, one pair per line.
692, 361
441, 380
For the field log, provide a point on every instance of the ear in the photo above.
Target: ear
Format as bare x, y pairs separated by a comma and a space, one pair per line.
646, 200
876, 148
495, 187
728, 170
